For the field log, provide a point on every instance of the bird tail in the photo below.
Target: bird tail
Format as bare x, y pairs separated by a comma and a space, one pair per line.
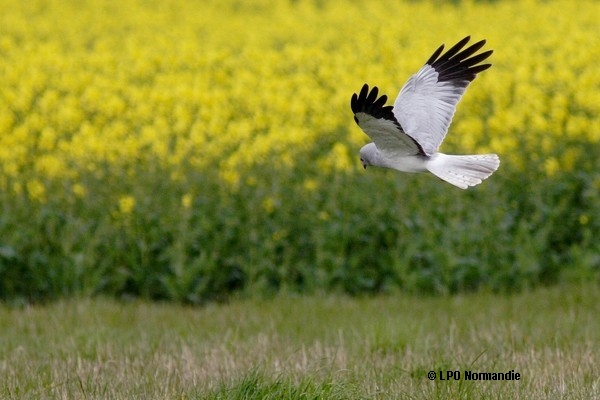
463, 171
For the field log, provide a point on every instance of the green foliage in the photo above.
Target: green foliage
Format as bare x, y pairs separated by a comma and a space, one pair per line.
358, 232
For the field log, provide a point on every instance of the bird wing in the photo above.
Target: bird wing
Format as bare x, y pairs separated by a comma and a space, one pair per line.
380, 124
427, 102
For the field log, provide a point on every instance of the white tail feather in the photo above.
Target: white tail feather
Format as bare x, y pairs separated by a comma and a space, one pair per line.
463, 171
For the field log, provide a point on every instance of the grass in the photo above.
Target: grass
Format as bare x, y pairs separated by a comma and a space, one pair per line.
305, 347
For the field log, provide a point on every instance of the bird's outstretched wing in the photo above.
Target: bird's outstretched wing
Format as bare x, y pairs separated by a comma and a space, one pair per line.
380, 124
427, 102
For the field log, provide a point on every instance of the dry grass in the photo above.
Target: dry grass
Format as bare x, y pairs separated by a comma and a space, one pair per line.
305, 347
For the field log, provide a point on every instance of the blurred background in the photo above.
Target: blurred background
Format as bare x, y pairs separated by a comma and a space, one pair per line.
198, 150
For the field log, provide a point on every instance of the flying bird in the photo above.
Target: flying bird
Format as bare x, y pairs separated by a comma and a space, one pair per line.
407, 135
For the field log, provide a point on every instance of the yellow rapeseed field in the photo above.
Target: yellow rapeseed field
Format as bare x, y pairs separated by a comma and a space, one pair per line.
232, 84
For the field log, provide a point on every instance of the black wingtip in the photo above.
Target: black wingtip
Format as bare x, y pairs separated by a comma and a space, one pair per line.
368, 102
459, 63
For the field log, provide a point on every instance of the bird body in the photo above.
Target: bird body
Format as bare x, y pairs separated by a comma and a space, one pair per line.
371, 155
407, 135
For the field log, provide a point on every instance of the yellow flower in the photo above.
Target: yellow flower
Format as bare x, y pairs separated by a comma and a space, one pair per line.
551, 166
569, 158
310, 184
338, 158
36, 190
120, 98
79, 190
230, 177
126, 204
186, 201
269, 204
324, 216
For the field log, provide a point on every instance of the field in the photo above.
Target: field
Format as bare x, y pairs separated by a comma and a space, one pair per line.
172, 150
315, 347
183, 212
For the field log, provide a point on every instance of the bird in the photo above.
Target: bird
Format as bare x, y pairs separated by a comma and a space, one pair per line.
407, 135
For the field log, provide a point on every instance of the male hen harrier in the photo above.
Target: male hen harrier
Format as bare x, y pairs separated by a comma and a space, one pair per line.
406, 136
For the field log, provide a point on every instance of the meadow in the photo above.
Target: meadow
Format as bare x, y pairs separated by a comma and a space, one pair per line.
195, 151
306, 347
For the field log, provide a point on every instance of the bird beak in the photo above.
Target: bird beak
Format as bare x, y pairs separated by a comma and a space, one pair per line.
365, 166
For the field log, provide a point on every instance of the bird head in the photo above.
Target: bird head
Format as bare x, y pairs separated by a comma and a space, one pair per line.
367, 154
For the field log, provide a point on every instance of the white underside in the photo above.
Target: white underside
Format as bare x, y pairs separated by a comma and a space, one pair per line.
408, 163
460, 171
